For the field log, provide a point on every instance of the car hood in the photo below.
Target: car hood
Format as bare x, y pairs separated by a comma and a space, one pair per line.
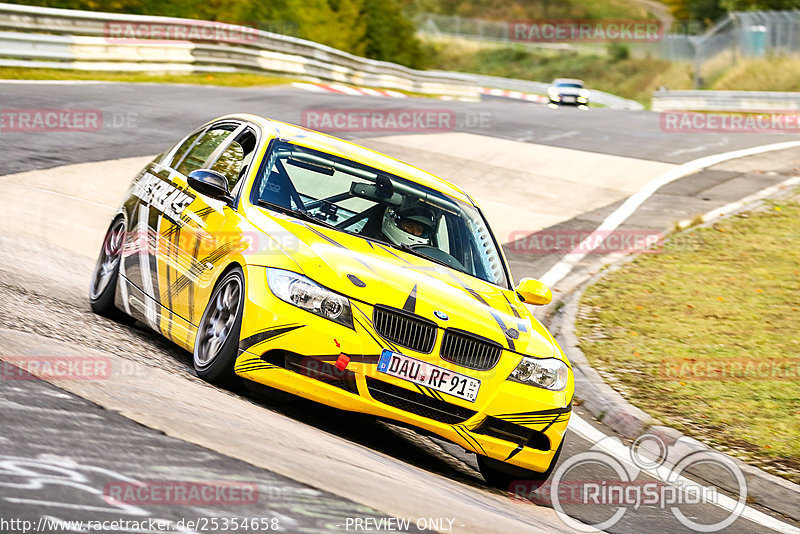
374, 273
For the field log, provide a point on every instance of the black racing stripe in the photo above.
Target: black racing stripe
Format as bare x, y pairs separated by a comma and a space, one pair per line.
533, 420
153, 219
378, 341
323, 236
566, 409
435, 393
469, 443
173, 256
336, 243
189, 284
382, 342
258, 337
255, 367
205, 212
477, 296
198, 266
515, 452
554, 421
411, 301
389, 251
467, 435
513, 309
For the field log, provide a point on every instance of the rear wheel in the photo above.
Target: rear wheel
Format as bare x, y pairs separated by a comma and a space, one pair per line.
501, 475
217, 342
106, 272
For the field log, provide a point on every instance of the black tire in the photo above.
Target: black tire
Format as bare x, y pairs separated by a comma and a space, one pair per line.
103, 287
501, 475
216, 345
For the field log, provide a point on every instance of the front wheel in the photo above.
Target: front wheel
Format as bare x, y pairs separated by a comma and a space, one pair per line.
501, 475
103, 287
217, 342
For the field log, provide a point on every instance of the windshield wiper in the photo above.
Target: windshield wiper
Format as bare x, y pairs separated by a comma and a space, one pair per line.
413, 251
297, 214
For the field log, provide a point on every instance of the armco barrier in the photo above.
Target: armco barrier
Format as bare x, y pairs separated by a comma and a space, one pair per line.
80, 39
63, 38
725, 101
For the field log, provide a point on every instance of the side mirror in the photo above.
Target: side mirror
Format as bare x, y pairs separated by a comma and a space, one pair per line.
534, 292
210, 183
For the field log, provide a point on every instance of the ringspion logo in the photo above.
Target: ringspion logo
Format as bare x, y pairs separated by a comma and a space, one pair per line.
614, 479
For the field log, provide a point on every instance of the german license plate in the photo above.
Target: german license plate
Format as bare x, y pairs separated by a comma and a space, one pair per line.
426, 374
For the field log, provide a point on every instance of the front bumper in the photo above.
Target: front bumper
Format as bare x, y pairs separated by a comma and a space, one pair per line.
290, 349
569, 100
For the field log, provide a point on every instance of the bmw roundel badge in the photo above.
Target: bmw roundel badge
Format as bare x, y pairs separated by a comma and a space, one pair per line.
441, 315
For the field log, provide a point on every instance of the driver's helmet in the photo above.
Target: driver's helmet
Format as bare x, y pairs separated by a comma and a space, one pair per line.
412, 226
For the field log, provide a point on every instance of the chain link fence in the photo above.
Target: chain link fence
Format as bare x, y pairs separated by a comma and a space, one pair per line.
740, 34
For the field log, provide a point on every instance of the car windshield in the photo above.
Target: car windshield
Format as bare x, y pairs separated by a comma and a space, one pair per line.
572, 85
378, 206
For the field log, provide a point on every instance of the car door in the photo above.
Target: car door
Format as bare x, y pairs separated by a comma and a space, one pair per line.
192, 245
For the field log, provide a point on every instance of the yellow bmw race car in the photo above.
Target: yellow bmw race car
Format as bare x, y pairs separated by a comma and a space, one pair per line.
313, 265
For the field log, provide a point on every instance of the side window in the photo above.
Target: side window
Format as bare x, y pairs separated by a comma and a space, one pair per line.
183, 148
229, 163
198, 155
443, 235
234, 161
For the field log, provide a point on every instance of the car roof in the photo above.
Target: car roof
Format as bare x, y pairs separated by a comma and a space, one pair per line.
351, 151
567, 80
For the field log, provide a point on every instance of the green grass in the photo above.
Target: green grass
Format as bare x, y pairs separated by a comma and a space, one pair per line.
243, 79
532, 9
227, 79
634, 78
716, 295
780, 73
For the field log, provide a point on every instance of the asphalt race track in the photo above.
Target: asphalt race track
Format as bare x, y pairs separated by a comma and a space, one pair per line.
59, 449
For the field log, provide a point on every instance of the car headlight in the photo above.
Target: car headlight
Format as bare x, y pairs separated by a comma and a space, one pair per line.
549, 373
552, 91
305, 293
584, 93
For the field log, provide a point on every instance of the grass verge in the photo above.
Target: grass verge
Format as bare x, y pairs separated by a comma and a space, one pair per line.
630, 77
705, 335
234, 79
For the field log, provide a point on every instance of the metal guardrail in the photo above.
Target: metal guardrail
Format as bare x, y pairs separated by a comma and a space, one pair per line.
82, 40
725, 101
62, 38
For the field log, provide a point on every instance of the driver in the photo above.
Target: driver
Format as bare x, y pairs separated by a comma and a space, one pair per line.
411, 226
